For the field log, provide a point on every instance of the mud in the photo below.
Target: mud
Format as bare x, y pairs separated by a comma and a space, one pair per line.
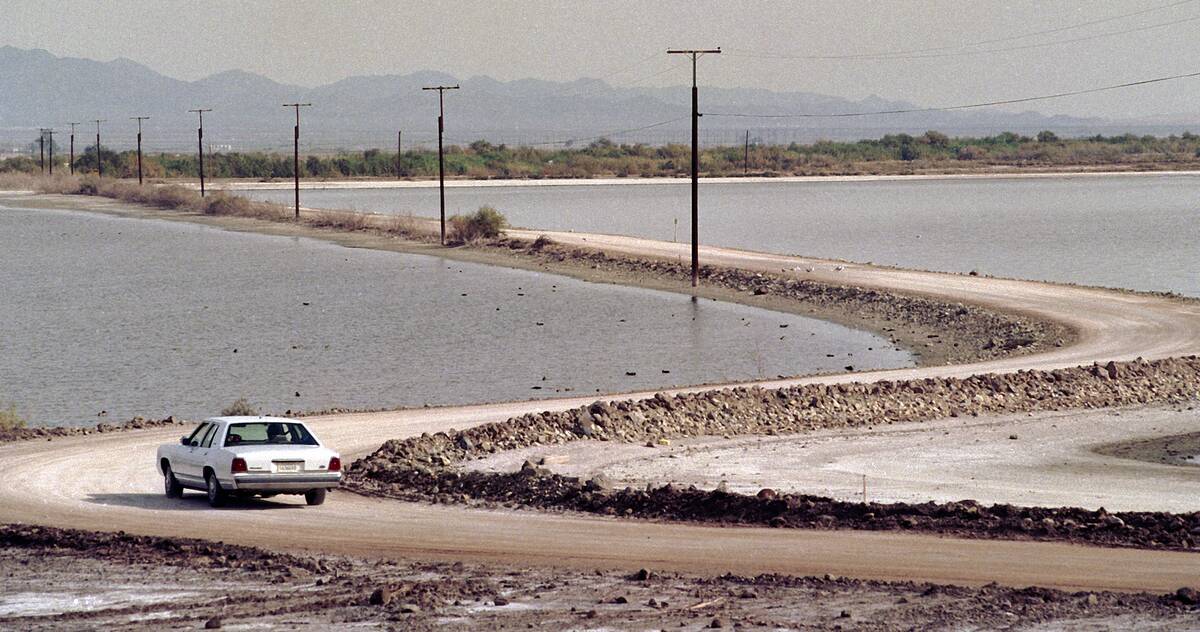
76, 580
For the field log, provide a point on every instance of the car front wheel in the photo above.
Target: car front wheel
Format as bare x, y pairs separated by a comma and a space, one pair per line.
171, 484
314, 496
216, 495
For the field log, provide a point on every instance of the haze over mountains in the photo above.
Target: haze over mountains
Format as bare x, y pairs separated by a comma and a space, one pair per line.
38, 89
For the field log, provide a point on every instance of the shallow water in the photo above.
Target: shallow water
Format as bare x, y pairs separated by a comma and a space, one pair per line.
119, 316
1134, 231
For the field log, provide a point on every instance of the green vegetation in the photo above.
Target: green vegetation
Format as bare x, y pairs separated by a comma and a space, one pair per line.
485, 223
10, 419
894, 153
239, 408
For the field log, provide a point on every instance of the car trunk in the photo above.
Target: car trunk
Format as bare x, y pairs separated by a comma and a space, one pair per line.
284, 459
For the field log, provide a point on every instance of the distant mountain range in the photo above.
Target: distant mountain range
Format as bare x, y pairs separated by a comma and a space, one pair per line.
38, 89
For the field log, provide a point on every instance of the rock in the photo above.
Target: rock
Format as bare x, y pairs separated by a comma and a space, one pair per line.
620, 599
213, 624
641, 576
845, 614
1112, 521
500, 601
598, 483
1188, 596
380, 597
766, 493
716, 623
410, 608
585, 424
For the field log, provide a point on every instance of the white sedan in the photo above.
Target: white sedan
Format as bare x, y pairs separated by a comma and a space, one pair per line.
249, 456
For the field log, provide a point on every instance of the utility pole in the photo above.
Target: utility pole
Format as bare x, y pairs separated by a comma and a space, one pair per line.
99, 160
441, 157
139, 119
42, 150
50, 132
200, 144
296, 150
746, 164
694, 53
72, 164
399, 137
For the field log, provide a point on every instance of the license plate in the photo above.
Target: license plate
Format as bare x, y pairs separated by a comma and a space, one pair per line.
288, 467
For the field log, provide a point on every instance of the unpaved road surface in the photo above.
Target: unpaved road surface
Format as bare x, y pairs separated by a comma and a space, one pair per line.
109, 482
1046, 459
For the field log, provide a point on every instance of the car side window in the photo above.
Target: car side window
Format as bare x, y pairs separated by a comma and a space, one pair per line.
198, 434
208, 439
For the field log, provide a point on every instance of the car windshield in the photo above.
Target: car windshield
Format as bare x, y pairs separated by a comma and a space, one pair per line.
269, 433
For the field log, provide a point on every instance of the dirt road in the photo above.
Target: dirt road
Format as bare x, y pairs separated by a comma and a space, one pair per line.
109, 482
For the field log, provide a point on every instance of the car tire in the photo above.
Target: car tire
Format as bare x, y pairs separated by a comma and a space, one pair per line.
314, 496
216, 495
171, 484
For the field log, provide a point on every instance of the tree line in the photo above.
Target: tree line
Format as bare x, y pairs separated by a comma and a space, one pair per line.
481, 159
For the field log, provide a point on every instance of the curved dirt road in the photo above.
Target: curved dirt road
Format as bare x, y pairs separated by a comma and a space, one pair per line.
108, 481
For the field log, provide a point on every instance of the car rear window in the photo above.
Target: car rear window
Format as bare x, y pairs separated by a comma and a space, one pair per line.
268, 433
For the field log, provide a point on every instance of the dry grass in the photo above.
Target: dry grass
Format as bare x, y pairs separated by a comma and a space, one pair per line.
10, 419
176, 197
485, 223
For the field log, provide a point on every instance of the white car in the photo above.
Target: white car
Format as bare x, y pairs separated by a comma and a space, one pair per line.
249, 456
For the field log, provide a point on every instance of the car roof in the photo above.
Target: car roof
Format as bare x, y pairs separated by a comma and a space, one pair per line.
251, 419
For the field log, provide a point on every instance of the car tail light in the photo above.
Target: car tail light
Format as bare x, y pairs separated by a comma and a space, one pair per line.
238, 465
335, 464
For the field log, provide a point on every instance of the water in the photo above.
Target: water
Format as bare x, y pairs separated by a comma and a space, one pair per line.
132, 316
1133, 231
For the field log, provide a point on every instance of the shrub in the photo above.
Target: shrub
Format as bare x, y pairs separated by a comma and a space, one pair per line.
10, 419
486, 223
239, 408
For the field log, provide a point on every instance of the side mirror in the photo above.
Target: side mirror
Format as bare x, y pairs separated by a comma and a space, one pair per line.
184, 440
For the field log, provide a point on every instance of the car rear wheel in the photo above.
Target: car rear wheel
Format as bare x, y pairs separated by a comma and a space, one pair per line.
216, 495
171, 484
314, 496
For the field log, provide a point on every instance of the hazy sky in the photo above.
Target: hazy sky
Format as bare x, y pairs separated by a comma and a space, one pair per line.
310, 43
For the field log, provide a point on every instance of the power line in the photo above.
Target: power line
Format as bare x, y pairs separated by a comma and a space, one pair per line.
571, 141
955, 51
1044, 97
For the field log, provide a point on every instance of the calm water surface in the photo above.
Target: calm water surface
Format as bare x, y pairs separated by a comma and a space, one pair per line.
1126, 231
132, 316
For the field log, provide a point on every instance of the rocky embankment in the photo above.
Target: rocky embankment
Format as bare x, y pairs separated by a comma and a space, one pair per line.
427, 467
939, 331
52, 432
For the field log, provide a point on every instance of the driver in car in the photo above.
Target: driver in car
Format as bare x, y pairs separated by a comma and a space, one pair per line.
276, 433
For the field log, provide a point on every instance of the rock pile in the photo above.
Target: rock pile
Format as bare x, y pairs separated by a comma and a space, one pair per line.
425, 467
49, 432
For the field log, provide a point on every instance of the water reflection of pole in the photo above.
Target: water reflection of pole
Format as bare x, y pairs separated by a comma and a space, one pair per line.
296, 151
694, 53
441, 157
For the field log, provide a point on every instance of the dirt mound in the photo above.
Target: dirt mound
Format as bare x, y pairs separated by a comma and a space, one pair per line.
425, 467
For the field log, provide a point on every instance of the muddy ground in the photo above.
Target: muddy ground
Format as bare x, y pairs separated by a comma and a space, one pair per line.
61, 579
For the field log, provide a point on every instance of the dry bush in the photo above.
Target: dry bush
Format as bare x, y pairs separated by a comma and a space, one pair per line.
19, 182
239, 408
486, 223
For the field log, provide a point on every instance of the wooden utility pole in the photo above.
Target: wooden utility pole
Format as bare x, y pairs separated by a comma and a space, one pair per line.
72, 163
296, 151
399, 136
99, 159
50, 132
441, 158
42, 150
139, 119
200, 144
695, 53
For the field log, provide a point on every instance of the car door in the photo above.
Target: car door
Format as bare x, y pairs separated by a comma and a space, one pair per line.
208, 445
189, 467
